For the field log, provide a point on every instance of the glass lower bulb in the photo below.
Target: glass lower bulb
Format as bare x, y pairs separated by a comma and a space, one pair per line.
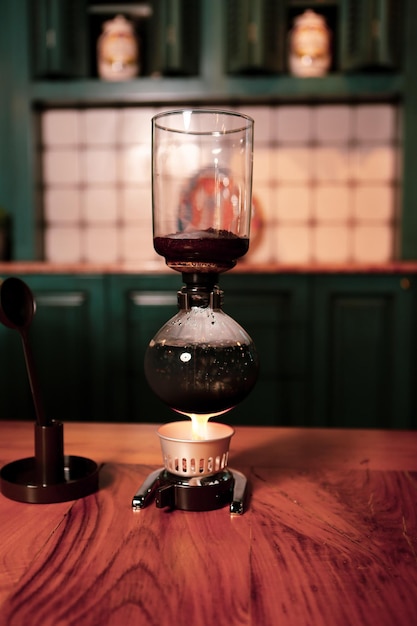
201, 362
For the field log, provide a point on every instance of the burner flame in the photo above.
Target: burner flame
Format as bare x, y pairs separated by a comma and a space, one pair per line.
199, 423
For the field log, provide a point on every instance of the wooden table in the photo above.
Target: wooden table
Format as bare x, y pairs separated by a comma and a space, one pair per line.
329, 537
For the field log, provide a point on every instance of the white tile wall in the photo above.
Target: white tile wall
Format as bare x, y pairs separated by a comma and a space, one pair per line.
325, 184
332, 124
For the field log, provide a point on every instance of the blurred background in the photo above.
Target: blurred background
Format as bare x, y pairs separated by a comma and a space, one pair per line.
327, 289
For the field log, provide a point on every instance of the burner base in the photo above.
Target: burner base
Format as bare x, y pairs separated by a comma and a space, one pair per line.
195, 493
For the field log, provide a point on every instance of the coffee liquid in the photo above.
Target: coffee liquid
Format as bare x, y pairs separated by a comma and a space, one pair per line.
201, 378
207, 250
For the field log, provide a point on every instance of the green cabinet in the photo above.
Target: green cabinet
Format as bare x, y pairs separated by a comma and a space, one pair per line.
68, 341
256, 36
173, 38
272, 309
363, 351
336, 350
58, 38
373, 34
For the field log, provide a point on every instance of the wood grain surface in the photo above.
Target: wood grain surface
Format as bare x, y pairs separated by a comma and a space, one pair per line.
317, 545
301, 448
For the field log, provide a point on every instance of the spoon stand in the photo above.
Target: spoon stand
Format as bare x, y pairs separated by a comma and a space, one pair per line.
49, 476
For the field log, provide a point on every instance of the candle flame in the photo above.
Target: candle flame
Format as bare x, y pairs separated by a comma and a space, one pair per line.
199, 425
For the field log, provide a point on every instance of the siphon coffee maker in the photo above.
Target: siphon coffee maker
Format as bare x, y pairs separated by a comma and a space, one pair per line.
201, 363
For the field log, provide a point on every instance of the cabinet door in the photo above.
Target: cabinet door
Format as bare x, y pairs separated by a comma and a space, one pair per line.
255, 36
273, 310
59, 38
363, 352
67, 338
138, 306
372, 33
174, 38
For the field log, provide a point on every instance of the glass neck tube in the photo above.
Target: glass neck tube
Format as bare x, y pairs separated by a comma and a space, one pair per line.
200, 290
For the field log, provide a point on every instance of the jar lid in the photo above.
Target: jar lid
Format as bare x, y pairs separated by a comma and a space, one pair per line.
310, 19
118, 25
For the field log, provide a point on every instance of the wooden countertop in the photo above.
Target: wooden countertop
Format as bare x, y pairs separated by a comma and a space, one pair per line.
329, 536
37, 267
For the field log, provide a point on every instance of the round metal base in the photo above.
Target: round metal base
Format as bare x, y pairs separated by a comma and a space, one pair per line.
194, 494
18, 481
197, 493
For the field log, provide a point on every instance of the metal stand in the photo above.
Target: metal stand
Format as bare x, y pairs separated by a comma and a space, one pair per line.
49, 476
196, 493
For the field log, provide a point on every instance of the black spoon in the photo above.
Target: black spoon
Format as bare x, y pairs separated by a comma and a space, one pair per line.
17, 308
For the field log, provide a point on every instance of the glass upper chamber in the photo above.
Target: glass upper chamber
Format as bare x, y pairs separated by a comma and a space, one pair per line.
202, 188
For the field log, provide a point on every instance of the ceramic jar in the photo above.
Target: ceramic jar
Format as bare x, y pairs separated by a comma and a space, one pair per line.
309, 45
118, 50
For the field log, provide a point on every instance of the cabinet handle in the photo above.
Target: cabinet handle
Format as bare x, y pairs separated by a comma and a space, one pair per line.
159, 298
50, 38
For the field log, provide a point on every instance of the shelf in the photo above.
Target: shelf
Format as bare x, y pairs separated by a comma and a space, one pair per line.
95, 91
333, 87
